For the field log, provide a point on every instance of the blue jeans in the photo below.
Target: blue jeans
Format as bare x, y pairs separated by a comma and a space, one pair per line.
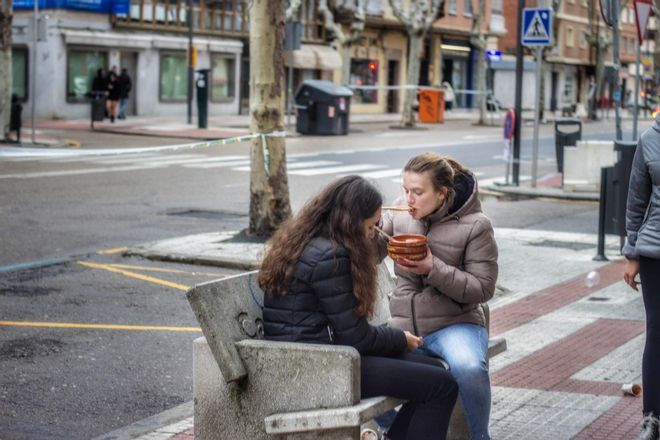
123, 102
464, 347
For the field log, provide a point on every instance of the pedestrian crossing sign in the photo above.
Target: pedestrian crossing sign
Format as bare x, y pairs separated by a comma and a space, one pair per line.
537, 27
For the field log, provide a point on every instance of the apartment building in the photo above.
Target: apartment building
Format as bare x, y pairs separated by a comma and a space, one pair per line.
150, 39
570, 66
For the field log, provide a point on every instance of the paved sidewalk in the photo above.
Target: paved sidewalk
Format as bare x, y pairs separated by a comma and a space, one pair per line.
574, 330
226, 126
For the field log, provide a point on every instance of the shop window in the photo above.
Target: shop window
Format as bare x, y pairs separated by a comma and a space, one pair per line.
19, 70
223, 78
570, 37
583, 39
173, 77
82, 66
451, 7
467, 8
364, 73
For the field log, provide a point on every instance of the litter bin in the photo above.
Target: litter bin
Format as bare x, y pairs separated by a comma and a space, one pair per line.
202, 85
431, 106
566, 137
15, 117
97, 101
322, 108
615, 181
620, 184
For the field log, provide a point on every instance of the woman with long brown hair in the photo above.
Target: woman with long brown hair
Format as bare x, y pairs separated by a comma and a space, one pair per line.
319, 274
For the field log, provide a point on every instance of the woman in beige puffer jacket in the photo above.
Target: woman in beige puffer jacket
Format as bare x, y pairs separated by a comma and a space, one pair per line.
440, 297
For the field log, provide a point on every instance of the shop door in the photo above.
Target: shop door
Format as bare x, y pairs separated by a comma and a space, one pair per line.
392, 80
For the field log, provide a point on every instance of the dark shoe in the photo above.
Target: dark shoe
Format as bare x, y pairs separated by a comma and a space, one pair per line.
112, 119
650, 427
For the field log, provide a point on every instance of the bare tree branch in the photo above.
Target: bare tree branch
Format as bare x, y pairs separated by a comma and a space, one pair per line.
437, 8
329, 21
397, 10
293, 10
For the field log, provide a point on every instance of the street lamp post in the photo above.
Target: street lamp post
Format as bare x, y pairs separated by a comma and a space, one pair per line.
33, 83
518, 101
190, 60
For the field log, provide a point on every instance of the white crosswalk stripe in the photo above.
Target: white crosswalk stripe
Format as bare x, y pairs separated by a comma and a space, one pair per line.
227, 164
296, 166
382, 173
299, 165
336, 170
176, 159
74, 172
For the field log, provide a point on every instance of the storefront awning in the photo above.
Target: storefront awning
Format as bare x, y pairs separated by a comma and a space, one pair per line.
314, 56
327, 58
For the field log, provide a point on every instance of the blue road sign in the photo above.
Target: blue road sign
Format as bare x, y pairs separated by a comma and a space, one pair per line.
537, 27
494, 55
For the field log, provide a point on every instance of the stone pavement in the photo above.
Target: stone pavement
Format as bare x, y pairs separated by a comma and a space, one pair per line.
223, 126
574, 330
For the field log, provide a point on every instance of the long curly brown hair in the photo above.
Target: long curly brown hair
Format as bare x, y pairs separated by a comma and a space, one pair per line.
337, 213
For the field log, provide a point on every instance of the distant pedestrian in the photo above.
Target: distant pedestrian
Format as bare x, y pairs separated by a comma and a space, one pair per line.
449, 95
125, 86
642, 251
113, 96
100, 82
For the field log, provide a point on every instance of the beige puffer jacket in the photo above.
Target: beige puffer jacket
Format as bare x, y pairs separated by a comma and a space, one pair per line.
464, 264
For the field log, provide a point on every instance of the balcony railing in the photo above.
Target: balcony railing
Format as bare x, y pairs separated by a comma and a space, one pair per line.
210, 17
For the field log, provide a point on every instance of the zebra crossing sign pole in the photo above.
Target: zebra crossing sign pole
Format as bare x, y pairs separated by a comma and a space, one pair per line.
537, 32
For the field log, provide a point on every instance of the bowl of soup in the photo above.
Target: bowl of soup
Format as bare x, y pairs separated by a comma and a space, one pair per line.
407, 246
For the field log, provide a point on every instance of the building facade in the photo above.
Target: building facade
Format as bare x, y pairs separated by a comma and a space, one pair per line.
569, 68
149, 38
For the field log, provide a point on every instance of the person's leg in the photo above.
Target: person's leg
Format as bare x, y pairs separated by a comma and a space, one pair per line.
113, 110
464, 347
429, 389
650, 277
122, 108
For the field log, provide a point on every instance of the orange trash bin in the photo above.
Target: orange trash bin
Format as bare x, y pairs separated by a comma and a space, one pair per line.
431, 106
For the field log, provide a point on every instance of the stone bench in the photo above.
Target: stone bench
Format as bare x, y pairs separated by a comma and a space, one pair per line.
248, 388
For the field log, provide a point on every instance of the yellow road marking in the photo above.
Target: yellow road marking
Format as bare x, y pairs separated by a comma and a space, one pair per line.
159, 269
116, 250
72, 143
99, 326
135, 275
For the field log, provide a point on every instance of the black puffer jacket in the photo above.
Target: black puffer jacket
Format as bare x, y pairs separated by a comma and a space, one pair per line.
320, 306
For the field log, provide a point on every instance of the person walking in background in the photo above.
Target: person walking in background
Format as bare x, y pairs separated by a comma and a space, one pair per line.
113, 96
642, 251
125, 86
449, 95
319, 277
440, 297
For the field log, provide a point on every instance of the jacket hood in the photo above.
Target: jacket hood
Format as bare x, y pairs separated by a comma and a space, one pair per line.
464, 200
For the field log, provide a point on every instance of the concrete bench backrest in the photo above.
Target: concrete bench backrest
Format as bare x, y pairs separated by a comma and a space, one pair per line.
229, 310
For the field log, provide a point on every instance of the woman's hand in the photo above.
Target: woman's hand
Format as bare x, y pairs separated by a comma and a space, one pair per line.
630, 271
419, 267
414, 342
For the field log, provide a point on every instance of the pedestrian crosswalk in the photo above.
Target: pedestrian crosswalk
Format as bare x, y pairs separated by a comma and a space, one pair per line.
303, 165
